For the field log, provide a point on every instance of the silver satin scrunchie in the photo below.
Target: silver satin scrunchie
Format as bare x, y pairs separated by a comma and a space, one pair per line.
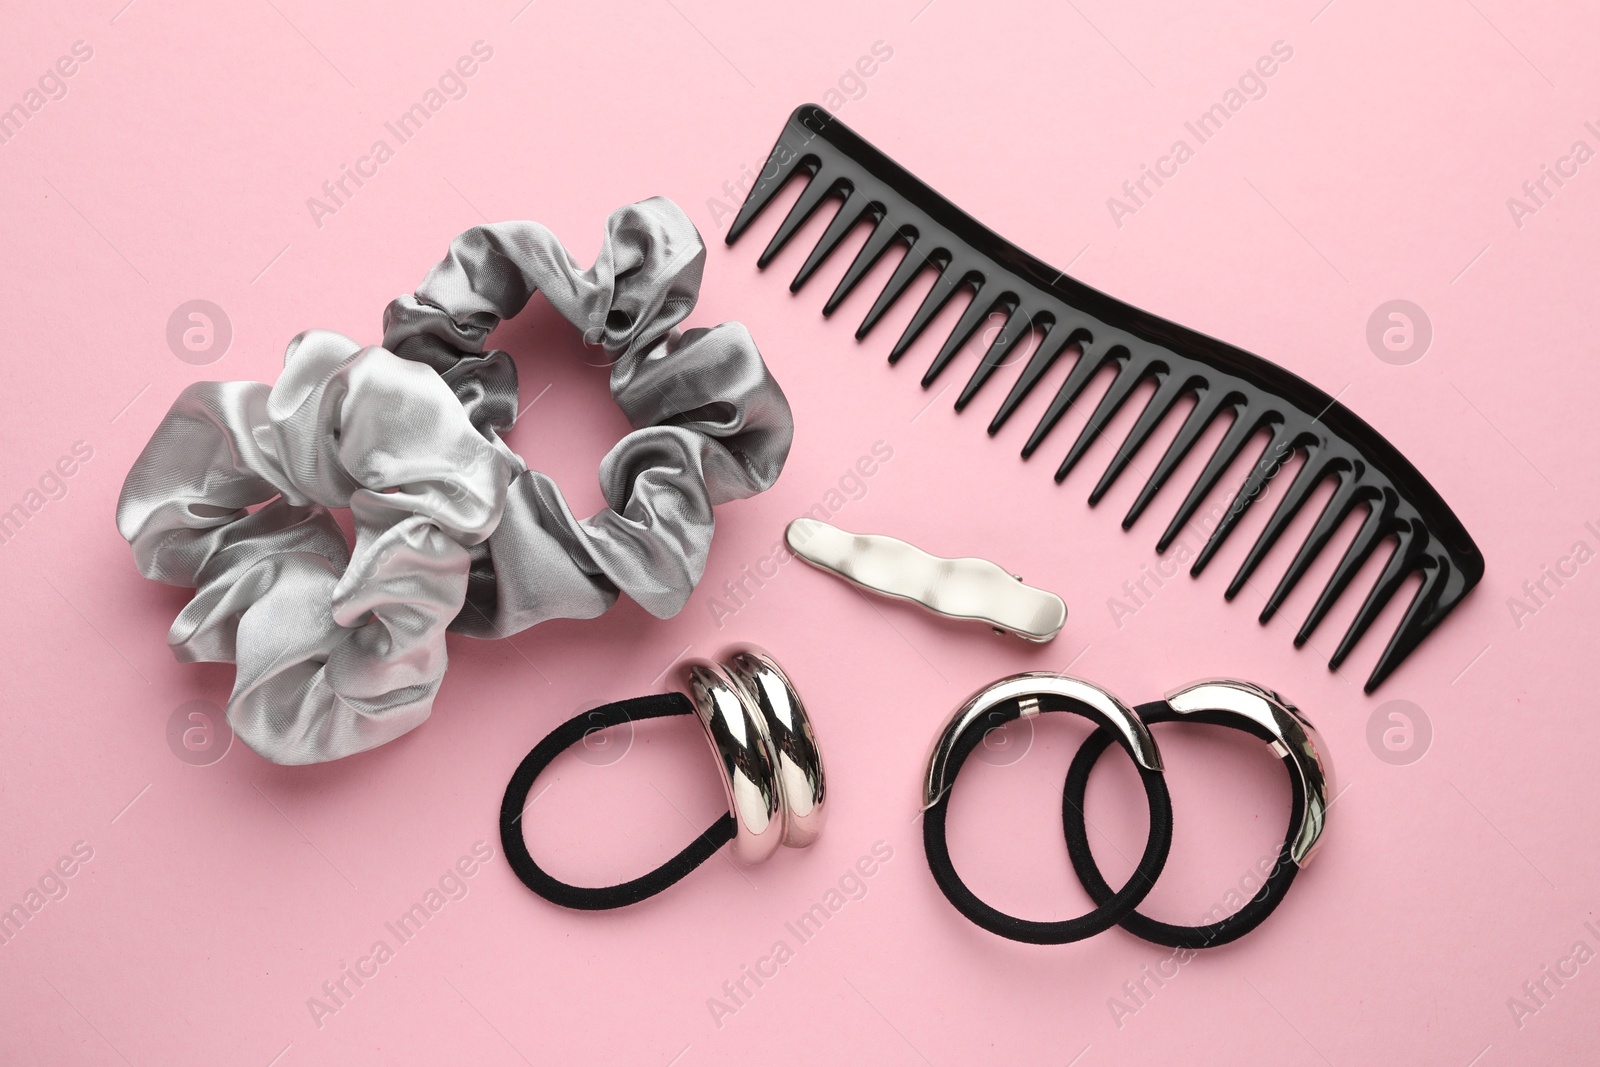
341, 651
711, 424
337, 651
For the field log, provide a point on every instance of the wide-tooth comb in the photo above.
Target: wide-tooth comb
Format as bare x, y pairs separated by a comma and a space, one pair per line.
1225, 381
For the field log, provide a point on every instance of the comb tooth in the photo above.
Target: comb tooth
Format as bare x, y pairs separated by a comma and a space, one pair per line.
1306, 479
1199, 418
1233, 443
819, 189
1367, 539
1272, 458
1054, 342
1394, 573
904, 274
1343, 501
1128, 378
944, 287
1419, 620
1083, 372
877, 244
1012, 334
1167, 394
856, 205
966, 326
765, 189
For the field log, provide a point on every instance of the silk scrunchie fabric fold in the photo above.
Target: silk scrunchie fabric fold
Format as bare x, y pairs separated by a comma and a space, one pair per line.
337, 651
711, 424
341, 650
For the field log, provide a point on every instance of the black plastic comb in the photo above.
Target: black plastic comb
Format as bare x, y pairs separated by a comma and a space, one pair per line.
1261, 396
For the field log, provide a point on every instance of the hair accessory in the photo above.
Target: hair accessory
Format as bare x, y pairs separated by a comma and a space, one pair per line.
765, 750
1237, 706
1259, 396
965, 588
1023, 695
337, 652
1221, 702
710, 423
340, 652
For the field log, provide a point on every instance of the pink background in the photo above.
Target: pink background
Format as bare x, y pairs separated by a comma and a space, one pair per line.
219, 898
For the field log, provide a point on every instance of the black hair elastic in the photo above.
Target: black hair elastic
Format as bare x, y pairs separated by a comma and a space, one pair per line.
1237, 706
1025, 695
771, 771
562, 738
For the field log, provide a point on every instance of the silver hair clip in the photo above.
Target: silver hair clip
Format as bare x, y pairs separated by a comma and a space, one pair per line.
964, 588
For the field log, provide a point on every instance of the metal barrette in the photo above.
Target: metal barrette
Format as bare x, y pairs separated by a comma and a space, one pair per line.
964, 588
765, 749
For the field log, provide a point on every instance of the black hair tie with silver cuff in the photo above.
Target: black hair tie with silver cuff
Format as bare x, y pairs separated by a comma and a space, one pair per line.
1233, 704
766, 752
1023, 695
1237, 706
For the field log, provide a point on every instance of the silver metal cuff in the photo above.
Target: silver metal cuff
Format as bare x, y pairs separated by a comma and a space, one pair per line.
765, 748
1027, 688
1293, 739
